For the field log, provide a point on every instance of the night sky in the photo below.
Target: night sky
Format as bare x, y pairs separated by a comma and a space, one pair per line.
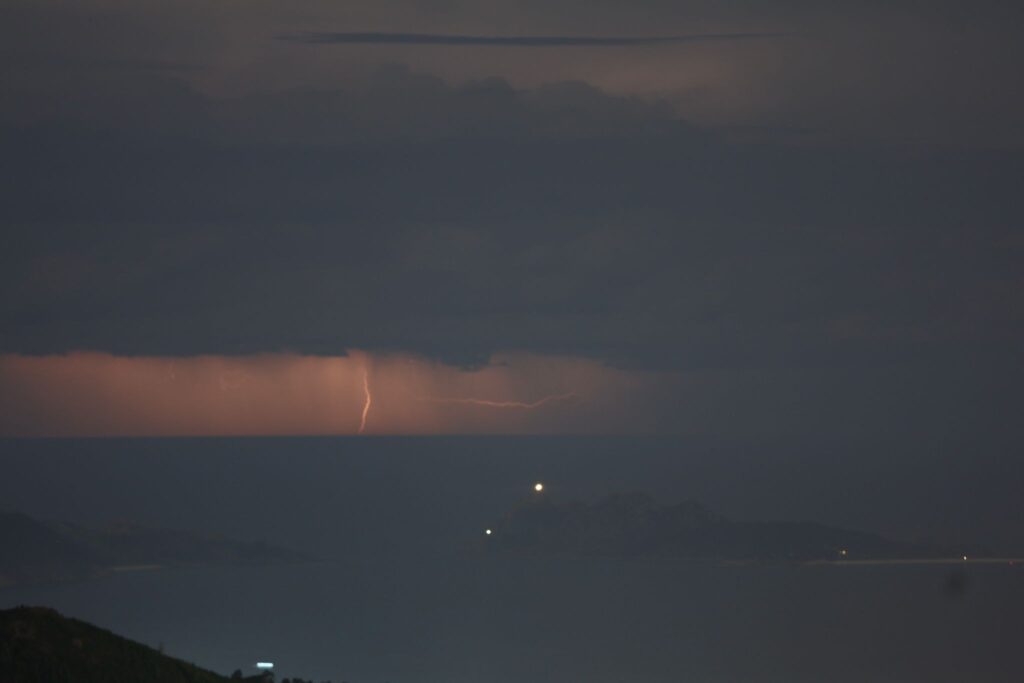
558, 217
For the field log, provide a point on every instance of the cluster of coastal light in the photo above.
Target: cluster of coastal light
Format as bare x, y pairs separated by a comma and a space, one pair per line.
843, 553
537, 488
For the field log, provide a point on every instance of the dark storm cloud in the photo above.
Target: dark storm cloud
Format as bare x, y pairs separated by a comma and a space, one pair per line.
326, 37
30, 61
456, 220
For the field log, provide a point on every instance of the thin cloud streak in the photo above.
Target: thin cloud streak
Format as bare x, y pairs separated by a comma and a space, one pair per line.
372, 38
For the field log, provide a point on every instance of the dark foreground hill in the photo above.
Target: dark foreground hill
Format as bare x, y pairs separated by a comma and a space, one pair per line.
635, 525
35, 551
38, 644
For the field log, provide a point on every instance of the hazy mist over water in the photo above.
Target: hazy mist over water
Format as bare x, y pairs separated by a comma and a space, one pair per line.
407, 592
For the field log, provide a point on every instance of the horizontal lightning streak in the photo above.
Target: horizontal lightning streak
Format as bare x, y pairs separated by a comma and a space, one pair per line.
523, 405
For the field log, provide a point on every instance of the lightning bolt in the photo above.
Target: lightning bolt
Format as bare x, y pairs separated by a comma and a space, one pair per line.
522, 405
367, 402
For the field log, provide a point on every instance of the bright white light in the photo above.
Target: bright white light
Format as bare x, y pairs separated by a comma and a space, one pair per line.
264, 665
487, 531
538, 487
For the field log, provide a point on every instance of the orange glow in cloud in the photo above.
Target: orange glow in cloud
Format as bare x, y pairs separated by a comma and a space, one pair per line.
98, 394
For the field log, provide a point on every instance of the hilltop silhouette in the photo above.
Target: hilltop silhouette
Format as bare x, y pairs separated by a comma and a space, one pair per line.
38, 551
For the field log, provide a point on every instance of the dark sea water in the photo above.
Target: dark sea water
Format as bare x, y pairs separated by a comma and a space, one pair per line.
407, 591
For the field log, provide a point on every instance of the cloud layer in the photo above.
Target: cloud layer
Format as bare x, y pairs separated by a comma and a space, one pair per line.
339, 38
826, 224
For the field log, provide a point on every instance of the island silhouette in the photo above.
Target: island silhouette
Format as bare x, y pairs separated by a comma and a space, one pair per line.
636, 525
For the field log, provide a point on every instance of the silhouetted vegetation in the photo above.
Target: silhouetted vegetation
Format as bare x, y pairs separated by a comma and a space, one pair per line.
38, 644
